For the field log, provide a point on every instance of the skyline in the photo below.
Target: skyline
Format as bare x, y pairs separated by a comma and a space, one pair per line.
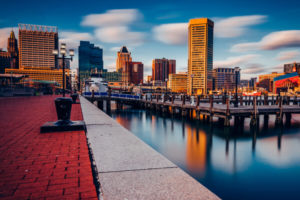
257, 39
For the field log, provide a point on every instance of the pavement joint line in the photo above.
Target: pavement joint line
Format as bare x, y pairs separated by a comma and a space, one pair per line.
132, 170
98, 124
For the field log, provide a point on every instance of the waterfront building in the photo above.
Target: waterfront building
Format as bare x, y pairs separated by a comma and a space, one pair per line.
225, 78
149, 79
161, 68
269, 76
90, 57
36, 43
9, 58
123, 56
178, 82
286, 82
291, 67
36, 60
252, 83
112, 76
200, 56
133, 73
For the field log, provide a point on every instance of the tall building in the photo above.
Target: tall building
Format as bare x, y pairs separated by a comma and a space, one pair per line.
292, 67
123, 56
177, 82
36, 43
90, 58
134, 73
200, 55
225, 78
161, 68
9, 58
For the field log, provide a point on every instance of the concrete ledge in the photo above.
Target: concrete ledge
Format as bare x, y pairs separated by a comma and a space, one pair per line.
130, 169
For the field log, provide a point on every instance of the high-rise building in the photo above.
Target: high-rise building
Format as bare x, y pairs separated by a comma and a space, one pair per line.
200, 55
161, 68
134, 73
123, 56
9, 58
36, 43
225, 78
292, 67
90, 58
177, 82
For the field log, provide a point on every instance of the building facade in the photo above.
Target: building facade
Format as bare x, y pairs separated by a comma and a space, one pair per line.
178, 82
112, 76
123, 56
225, 78
200, 56
161, 68
36, 43
90, 58
292, 67
9, 58
133, 74
269, 76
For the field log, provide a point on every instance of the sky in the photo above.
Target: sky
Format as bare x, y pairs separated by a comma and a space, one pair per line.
258, 36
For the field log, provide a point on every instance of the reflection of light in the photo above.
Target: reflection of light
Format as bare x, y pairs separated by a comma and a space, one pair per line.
196, 151
123, 121
287, 155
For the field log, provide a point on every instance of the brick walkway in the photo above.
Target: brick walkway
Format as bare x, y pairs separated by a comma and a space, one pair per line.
41, 166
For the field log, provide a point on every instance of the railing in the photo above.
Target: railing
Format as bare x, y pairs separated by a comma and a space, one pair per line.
105, 94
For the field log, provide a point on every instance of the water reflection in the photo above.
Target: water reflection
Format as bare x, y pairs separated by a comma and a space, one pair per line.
233, 162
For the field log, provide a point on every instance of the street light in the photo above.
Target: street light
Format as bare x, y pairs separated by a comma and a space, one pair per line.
236, 71
192, 76
63, 52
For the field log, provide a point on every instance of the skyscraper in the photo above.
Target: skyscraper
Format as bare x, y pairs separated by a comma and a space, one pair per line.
161, 68
36, 43
200, 56
123, 56
90, 58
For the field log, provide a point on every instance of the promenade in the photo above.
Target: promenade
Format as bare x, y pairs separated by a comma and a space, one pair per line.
41, 166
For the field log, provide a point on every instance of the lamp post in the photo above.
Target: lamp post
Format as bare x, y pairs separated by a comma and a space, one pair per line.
236, 71
63, 52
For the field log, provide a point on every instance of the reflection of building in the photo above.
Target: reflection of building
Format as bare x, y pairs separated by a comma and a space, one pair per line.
123, 57
90, 58
10, 59
177, 82
36, 60
225, 78
196, 150
161, 68
200, 55
292, 67
134, 73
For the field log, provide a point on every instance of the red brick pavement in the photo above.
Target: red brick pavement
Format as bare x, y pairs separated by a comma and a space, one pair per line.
41, 166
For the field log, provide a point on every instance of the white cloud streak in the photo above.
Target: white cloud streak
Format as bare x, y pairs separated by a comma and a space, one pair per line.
236, 61
272, 41
72, 39
174, 34
288, 55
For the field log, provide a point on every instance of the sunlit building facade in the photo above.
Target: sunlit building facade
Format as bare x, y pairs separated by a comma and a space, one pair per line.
123, 56
200, 56
133, 74
225, 78
178, 82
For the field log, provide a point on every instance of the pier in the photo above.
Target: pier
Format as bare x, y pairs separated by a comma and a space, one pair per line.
209, 107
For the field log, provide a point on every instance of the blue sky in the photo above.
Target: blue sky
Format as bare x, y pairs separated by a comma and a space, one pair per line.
258, 36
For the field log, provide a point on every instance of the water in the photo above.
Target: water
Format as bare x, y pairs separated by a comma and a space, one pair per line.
244, 164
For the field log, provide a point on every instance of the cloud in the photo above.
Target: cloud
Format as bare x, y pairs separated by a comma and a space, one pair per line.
120, 35
4, 35
236, 61
253, 68
177, 33
288, 55
113, 26
272, 41
173, 34
236, 26
112, 18
72, 39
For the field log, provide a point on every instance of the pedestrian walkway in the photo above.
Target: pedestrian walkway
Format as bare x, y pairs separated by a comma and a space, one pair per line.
41, 166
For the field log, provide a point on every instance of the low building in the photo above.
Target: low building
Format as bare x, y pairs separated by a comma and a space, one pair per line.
286, 82
225, 78
133, 74
292, 67
178, 82
269, 76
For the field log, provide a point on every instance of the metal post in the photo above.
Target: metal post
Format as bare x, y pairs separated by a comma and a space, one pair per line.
63, 58
236, 88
